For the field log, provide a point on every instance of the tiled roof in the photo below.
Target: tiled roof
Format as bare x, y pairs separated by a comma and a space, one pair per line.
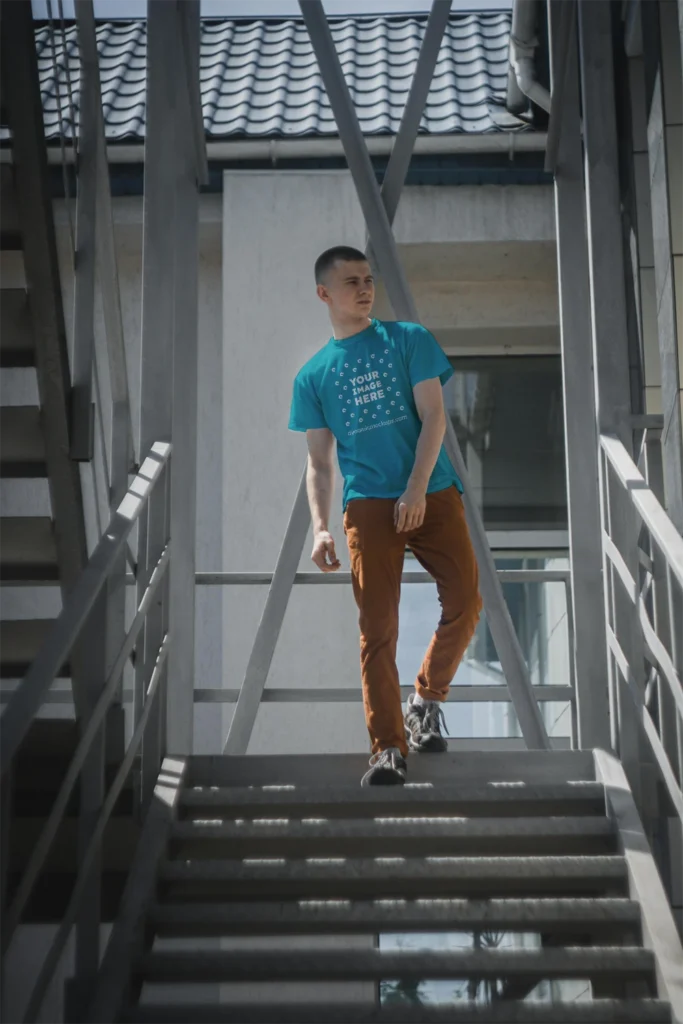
260, 78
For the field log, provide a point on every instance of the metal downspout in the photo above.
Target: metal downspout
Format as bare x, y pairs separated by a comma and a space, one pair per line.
523, 44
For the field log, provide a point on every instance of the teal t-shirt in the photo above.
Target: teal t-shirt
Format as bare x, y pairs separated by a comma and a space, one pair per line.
361, 388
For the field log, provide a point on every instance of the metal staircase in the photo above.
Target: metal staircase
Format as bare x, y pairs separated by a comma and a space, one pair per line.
43, 537
269, 854
254, 876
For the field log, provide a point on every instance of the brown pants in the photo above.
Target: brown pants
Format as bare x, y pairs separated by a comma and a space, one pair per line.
442, 546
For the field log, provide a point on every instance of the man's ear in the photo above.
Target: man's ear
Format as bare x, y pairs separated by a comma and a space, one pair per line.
323, 293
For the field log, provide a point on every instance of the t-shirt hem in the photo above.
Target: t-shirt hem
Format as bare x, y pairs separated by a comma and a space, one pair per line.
394, 497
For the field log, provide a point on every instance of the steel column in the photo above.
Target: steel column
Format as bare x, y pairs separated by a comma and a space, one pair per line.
582, 445
605, 248
610, 343
384, 245
82, 419
158, 324
185, 245
671, 365
564, 39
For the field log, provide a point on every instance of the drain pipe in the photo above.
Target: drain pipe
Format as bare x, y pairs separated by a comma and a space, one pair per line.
523, 43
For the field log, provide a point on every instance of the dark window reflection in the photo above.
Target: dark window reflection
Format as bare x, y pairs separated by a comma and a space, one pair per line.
507, 413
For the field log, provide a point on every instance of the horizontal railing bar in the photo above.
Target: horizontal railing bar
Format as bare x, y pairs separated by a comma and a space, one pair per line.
656, 745
223, 579
457, 695
660, 527
349, 694
57, 948
42, 847
28, 697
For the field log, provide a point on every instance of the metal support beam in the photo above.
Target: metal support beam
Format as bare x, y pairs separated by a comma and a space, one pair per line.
384, 245
606, 258
169, 349
404, 143
270, 625
190, 41
610, 345
564, 39
82, 419
660, 205
582, 445
183, 516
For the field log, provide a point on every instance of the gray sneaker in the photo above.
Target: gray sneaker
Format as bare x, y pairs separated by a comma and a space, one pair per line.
388, 768
423, 726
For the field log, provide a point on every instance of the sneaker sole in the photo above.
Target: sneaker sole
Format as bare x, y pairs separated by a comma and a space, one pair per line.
434, 744
383, 777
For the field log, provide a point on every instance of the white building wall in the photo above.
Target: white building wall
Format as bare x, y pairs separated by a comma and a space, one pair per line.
275, 225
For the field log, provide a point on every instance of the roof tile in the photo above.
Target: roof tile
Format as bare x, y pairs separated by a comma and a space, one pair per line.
260, 77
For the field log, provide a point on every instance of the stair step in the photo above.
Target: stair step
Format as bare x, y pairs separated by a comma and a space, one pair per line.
466, 801
597, 962
22, 447
16, 339
336, 917
28, 552
385, 838
388, 878
599, 1011
452, 768
20, 641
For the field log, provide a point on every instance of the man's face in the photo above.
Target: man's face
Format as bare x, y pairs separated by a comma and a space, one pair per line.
348, 289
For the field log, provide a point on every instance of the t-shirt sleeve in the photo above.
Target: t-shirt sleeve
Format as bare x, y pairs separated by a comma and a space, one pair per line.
306, 412
424, 356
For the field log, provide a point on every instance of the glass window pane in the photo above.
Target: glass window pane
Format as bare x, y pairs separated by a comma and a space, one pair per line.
507, 413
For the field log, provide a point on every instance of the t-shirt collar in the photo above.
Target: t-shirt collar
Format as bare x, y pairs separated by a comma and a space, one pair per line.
354, 337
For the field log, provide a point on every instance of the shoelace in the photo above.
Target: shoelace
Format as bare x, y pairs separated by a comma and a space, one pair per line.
434, 718
383, 756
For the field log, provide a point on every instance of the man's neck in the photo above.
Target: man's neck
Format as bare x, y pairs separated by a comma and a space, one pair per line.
342, 329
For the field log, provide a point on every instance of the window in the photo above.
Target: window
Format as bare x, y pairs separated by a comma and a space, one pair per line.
508, 416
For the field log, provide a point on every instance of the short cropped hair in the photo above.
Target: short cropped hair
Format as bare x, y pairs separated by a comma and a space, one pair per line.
327, 259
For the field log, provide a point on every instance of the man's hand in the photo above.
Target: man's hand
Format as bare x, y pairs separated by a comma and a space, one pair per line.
324, 555
409, 510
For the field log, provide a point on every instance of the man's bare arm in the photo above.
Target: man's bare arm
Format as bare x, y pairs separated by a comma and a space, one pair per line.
410, 508
320, 488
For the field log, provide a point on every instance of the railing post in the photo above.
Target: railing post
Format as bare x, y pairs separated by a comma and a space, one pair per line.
92, 658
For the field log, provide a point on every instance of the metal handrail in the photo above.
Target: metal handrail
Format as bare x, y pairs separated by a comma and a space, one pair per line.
56, 950
26, 699
42, 847
664, 660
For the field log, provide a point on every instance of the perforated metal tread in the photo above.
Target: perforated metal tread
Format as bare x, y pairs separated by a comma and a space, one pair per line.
467, 800
449, 769
428, 837
568, 916
595, 962
369, 878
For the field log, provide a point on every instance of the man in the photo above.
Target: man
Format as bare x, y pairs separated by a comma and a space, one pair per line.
375, 388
